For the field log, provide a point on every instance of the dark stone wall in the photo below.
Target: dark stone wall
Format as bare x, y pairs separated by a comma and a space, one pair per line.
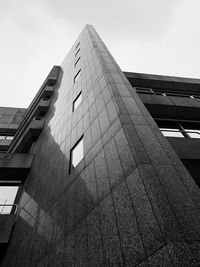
129, 202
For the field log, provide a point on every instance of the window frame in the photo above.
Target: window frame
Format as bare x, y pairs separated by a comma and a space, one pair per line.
172, 130
76, 77
77, 52
75, 100
71, 166
14, 205
76, 62
77, 45
7, 137
184, 127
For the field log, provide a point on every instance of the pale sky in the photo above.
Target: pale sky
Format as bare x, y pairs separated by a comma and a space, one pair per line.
150, 36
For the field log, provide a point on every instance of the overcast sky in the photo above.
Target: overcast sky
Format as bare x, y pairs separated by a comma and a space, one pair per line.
150, 36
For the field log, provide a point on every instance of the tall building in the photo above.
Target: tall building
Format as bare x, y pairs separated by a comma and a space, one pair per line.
105, 167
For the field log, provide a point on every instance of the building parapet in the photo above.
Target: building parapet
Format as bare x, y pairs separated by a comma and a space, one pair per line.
15, 166
37, 108
30, 134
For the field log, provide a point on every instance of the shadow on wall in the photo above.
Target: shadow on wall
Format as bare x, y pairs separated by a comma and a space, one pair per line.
53, 202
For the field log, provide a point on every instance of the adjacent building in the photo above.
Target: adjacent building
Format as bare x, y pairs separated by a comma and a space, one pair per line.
102, 168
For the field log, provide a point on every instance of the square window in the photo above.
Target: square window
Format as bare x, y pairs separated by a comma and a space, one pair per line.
77, 75
77, 102
76, 154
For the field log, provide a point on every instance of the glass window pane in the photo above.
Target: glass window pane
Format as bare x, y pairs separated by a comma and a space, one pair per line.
77, 153
171, 132
7, 196
77, 62
77, 45
77, 75
77, 101
193, 133
77, 52
9, 137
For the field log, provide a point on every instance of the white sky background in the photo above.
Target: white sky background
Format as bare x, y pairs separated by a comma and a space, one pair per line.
150, 36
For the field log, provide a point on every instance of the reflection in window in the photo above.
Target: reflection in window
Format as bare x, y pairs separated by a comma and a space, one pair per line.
193, 133
186, 129
77, 153
169, 132
77, 101
77, 75
7, 197
6, 137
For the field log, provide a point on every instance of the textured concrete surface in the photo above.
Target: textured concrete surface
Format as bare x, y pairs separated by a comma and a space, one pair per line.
129, 202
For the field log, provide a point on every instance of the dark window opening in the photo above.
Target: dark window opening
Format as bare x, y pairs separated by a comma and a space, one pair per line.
77, 45
38, 118
77, 52
77, 62
77, 75
77, 102
193, 167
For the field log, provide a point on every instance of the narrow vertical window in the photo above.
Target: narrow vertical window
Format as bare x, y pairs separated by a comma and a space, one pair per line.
77, 45
77, 101
77, 62
76, 154
77, 52
77, 75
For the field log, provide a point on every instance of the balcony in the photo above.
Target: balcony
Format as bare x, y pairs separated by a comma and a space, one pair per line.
14, 167
53, 76
31, 133
47, 91
42, 107
161, 106
4, 144
186, 148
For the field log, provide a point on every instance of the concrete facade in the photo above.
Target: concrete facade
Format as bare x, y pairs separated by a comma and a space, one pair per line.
129, 202
10, 118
